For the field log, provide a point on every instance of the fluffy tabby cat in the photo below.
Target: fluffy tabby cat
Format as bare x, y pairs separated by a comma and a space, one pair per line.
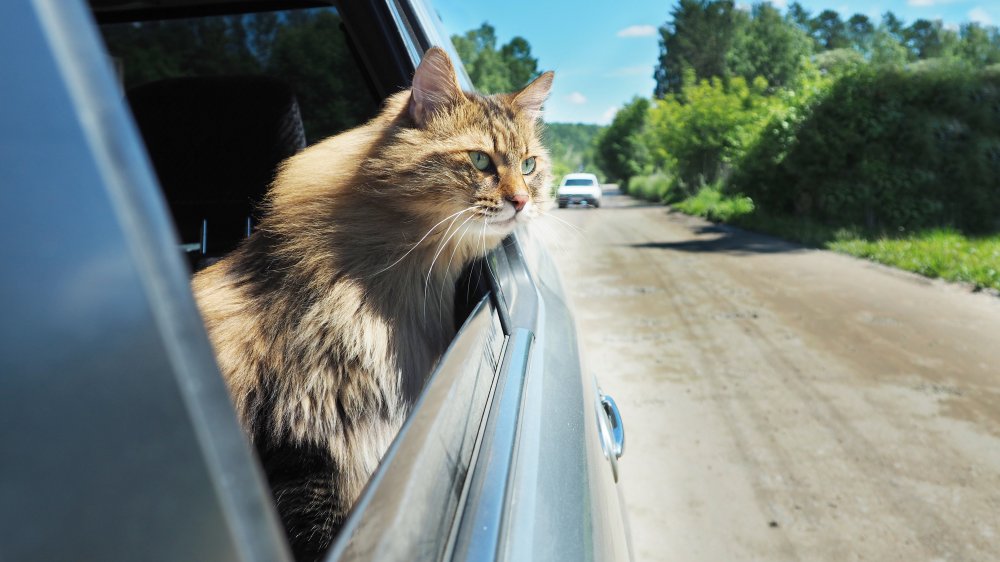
327, 321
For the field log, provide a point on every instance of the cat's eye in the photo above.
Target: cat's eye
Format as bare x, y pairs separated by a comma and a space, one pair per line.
528, 166
479, 159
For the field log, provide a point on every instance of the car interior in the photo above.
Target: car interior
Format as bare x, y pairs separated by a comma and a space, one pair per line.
222, 93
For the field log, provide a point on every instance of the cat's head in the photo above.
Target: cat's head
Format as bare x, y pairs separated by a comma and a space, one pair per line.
469, 159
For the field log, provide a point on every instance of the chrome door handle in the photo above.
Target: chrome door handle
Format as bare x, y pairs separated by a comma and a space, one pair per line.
617, 429
610, 430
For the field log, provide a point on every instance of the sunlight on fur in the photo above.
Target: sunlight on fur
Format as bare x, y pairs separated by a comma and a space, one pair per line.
327, 321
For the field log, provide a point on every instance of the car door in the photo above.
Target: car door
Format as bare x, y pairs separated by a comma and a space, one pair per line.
119, 438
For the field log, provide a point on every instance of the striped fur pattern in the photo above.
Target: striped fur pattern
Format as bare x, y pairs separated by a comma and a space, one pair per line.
327, 321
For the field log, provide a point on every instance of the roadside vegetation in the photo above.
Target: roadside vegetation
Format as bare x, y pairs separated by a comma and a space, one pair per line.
571, 147
877, 139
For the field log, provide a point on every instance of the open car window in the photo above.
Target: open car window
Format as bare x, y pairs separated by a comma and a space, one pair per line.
220, 101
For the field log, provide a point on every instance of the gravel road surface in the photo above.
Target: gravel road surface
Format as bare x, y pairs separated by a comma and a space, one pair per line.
783, 403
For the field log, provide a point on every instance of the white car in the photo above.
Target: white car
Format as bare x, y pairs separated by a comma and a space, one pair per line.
580, 188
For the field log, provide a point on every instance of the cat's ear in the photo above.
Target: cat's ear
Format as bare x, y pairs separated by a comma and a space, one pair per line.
531, 98
434, 86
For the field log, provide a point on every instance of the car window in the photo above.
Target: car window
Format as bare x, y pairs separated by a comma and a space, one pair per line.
308, 49
310, 52
221, 100
572, 182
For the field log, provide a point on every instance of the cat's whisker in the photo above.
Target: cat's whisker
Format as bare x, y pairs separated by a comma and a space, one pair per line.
567, 223
422, 238
479, 276
441, 246
562, 229
457, 245
549, 237
444, 243
486, 252
454, 250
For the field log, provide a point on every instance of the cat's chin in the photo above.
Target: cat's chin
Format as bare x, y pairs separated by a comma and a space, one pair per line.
501, 228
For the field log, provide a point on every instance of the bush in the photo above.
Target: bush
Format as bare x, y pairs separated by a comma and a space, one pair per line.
654, 187
711, 203
886, 148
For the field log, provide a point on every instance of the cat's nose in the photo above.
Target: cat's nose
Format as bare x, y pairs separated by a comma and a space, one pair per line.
519, 200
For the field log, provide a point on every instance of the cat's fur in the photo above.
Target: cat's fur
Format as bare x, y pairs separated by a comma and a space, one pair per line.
328, 319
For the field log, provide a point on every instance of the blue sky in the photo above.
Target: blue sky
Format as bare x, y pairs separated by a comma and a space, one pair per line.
603, 52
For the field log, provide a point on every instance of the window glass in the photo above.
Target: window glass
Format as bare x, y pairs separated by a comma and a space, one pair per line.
307, 49
579, 182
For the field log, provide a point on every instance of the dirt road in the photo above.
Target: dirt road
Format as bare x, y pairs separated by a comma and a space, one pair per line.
782, 403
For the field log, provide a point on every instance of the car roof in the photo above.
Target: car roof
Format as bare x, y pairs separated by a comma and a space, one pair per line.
580, 175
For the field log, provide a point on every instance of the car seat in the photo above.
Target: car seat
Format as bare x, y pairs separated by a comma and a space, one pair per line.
215, 143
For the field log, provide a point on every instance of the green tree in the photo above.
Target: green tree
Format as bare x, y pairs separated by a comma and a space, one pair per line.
698, 37
893, 26
494, 70
768, 46
860, 32
621, 152
800, 17
979, 45
170, 49
829, 31
699, 135
927, 39
886, 50
571, 147
322, 71
305, 48
521, 65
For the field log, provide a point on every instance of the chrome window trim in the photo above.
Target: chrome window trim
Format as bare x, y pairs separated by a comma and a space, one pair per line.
406, 33
435, 34
479, 533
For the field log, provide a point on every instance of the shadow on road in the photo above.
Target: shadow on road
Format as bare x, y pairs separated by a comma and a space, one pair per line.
730, 241
615, 200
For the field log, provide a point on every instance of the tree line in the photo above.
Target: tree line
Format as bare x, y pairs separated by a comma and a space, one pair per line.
885, 125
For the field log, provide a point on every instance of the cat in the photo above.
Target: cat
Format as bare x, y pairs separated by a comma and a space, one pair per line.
328, 319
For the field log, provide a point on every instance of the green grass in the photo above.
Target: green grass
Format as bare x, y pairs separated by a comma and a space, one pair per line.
937, 253
941, 253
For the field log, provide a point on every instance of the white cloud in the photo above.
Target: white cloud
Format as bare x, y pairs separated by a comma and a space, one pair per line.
979, 15
926, 3
952, 27
577, 98
637, 31
608, 115
782, 4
